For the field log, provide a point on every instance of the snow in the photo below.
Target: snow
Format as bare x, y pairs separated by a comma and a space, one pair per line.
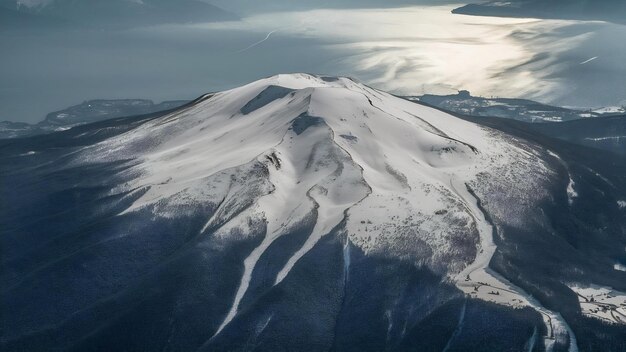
530, 345
610, 110
459, 328
600, 139
619, 267
479, 281
346, 260
621, 204
601, 302
571, 191
275, 152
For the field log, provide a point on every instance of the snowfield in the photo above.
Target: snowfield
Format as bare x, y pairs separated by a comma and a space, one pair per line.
602, 302
395, 178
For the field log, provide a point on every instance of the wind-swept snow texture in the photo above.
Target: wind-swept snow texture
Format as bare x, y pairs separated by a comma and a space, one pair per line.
389, 168
393, 175
311, 207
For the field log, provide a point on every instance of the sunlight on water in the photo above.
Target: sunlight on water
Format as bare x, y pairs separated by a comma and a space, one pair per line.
427, 49
412, 50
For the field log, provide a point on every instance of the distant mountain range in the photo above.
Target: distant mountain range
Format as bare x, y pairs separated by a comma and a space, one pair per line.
607, 133
86, 112
602, 128
109, 14
599, 10
517, 109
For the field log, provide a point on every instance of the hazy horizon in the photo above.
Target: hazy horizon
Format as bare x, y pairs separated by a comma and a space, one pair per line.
410, 50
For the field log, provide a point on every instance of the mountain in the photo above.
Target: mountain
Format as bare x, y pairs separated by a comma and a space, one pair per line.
87, 112
603, 129
122, 13
596, 10
310, 213
608, 133
101, 109
10, 129
517, 109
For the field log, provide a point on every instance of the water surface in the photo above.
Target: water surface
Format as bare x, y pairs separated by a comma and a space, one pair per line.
411, 50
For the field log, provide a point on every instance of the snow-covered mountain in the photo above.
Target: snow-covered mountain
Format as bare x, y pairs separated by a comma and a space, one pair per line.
516, 109
598, 10
603, 129
303, 212
86, 112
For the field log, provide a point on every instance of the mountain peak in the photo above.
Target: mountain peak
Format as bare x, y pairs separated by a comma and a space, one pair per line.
368, 219
397, 178
261, 118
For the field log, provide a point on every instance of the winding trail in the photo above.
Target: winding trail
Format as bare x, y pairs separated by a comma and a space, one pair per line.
479, 274
606, 311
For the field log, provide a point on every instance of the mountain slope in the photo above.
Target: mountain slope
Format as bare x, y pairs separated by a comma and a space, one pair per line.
597, 10
600, 130
517, 109
87, 112
608, 133
309, 213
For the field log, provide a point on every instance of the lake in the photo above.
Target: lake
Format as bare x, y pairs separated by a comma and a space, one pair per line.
410, 51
